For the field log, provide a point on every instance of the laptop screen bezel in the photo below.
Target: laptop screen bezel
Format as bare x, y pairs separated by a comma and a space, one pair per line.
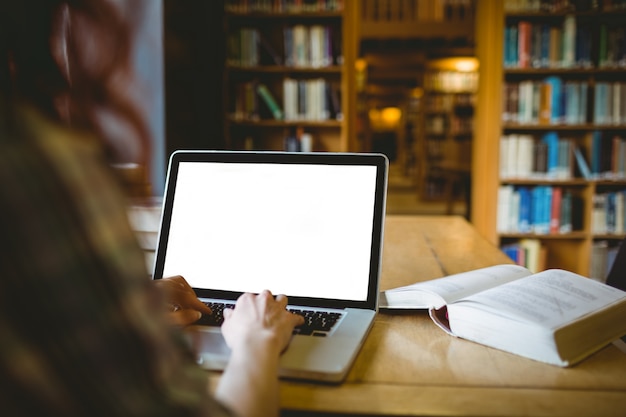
379, 161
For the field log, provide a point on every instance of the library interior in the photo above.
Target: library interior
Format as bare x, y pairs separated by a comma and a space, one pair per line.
511, 113
504, 124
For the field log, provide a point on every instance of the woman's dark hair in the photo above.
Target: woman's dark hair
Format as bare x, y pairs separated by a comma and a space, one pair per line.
71, 60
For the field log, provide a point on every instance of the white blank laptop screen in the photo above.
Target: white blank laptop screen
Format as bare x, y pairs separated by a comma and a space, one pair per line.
295, 229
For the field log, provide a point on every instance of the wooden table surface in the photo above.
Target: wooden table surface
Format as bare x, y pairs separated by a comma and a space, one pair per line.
410, 367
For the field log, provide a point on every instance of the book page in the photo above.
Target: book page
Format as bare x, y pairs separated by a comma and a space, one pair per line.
551, 298
438, 292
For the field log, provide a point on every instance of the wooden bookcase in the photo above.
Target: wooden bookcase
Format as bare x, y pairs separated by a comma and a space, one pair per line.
273, 44
570, 250
445, 146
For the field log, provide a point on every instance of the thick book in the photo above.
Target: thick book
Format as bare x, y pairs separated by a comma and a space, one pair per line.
555, 316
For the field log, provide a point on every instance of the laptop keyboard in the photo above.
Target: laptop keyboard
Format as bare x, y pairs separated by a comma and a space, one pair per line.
316, 323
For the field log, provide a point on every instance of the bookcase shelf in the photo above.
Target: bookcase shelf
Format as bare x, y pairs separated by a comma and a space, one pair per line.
560, 127
548, 236
282, 123
286, 75
276, 69
588, 57
531, 181
565, 71
445, 146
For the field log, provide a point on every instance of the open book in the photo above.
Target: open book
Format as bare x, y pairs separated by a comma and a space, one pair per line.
554, 316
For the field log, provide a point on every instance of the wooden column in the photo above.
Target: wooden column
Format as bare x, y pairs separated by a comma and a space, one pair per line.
489, 43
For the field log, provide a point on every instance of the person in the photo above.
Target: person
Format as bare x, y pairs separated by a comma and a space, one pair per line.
84, 331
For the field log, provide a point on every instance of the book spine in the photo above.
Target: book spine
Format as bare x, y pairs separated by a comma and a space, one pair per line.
616, 104
545, 46
302, 100
545, 103
269, 100
551, 139
301, 46
569, 41
525, 210
602, 46
597, 268
508, 48
289, 47
504, 207
566, 223
537, 208
290, 98
555, 210
610, 213
596, 151
619, 212
535, 50
525, 102
598, 214
555, 98
555, 47
525, 152
505, 141
540, 160
581, 163
524, 44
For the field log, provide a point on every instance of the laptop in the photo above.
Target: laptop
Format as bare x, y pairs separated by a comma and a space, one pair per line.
307, 225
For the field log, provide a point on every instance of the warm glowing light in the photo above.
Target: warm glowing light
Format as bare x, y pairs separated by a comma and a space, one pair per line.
462, 64
360, 64
387, 118
467, 65
391, 115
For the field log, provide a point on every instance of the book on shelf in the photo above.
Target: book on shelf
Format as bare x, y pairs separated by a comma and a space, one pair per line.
298, 141
581, 163
524, 157
245, 103
528, 252
609, 103
307, 99
554, 6
311, 46
524, 44
242, 47
608, 156
554, 316
550, 101
608, 213
539, 209
555, 97
270, 101
529, 44
611, 51
568, 55
603, 256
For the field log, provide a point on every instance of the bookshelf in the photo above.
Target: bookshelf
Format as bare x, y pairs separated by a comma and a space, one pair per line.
288, 76
561, 82
446, 143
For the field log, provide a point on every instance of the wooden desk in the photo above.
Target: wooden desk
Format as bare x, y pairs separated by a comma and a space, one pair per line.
409, 367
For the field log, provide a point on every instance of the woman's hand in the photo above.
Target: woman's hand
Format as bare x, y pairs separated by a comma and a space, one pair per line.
257, 330
182, 305
258, 319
